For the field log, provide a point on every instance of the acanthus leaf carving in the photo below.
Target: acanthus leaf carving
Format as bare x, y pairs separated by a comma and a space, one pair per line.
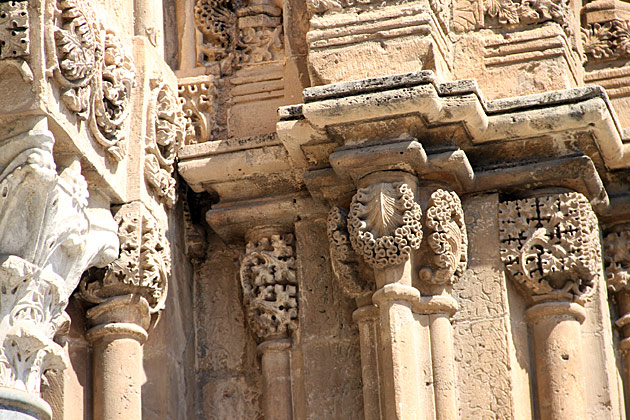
270, 290
144, 264
384, 223
94, 72
198, 102
346, 264
617, 260
14, 29
550, 245
45, 246
217, 22
448, 239
606, 40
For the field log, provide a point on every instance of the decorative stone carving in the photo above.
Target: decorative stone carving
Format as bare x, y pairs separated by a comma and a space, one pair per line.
345, 262
198, 101
144, 265
49, 236
617, 260
94, 71
166, 137
217, 22
268, 278
384, 223
607, 40
550, 245
14, 29
448, 239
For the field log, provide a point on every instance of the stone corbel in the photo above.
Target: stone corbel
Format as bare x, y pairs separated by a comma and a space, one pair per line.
51, 231
127, 294
550, 247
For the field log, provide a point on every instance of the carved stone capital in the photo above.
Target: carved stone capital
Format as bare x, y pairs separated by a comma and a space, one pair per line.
144, 265
354, 279
384, 223
448, 240
49, 234
270, 288
550, 245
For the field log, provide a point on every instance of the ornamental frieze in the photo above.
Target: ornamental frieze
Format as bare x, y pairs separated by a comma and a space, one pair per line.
14, 29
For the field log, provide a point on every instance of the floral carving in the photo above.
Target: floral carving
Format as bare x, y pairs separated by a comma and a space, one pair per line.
268, 278
259, 44
217, 22
550, 245
607, 40
166, 137
144, 265
95, 73
198, 101
448, 239
617, 260
384, 223
346, 264
14, 31
49, 236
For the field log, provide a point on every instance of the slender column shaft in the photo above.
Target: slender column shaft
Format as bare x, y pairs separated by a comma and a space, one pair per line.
443, 369
556, 329
366, 318
276, 371
148, 21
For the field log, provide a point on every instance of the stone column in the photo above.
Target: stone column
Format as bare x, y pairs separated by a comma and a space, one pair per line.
50, 232
445, 259
551, 249
148, 21
270, 295
127, 293
617, 266
384, 227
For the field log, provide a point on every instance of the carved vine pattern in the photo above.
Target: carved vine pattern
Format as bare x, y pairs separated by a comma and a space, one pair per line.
95, 73
607, 40
385, 224
217, 22
14, 29
617, 260
198, 102
550, 245
447, 240
346, 264
268, 279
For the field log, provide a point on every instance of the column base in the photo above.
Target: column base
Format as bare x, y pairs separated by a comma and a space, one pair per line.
20, 405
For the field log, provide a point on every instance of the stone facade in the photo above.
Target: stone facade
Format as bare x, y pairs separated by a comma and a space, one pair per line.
314, 210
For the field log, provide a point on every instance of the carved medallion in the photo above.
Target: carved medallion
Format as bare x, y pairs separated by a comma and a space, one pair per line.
384, 224
268, 278
550, 245
448, 239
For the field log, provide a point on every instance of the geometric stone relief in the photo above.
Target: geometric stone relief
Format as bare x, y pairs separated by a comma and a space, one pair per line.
268, 279
94, 71
198, 101
617, 260
166, 131
447, 240
606, 40
144, 265
550, 245
385, 224
14, 31
353, 279
48, 237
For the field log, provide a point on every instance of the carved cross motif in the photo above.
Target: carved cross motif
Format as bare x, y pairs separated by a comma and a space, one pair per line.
14, 32
384, 223
550, 245
268, 278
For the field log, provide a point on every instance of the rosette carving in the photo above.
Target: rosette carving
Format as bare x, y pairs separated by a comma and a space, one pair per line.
448, 239
268, 279
617, 260
346, 265
49, 236
94, 72
144, 265
384, 224
550, 245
